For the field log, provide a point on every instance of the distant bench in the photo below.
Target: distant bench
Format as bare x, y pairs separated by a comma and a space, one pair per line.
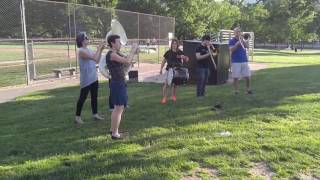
58, 72
72, 70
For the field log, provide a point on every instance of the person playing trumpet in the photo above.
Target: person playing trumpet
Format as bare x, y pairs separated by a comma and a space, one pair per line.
239, 61
88, 76
203, 56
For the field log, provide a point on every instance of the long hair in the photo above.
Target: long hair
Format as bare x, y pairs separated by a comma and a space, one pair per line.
175, 40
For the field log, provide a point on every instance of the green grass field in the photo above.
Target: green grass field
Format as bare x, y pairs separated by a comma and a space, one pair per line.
279, 126
287, 58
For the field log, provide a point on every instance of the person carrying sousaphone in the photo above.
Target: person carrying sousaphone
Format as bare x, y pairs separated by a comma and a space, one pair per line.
174, 57
118, 87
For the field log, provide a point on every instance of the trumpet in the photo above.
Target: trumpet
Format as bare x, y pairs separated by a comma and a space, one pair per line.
211, 55
244, 38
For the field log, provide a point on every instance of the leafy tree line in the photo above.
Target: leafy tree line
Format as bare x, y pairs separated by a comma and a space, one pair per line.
276, 21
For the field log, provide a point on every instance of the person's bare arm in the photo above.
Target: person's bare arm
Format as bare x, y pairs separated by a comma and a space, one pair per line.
124, 60
200, 57
96, 57
162, 64
234, 47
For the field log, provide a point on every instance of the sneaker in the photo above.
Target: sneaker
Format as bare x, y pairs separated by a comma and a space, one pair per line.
236, 93
116, 137
163, 100
217, 107
98, 117
78, 120
110, 110
249, 92
174, 98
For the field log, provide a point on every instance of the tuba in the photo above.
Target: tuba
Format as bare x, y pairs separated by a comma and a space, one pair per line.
116, 28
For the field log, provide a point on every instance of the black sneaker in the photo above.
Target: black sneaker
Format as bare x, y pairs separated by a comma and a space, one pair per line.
249, 92
236, 93
117, 137
217, 107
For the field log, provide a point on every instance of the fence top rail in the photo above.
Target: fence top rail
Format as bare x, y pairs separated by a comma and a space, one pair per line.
84, 5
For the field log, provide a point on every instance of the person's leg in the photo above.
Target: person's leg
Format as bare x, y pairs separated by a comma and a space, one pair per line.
174, 92
94, 100
201, 77
247, 76
205, 81
248, 83
82, 98
168, 76
236, 68
94, 97
115, 120
110, 102
164, 92
236, 84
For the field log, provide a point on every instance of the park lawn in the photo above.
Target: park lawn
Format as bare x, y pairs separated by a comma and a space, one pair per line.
48, 59
45, 51
287, 58
278, 126
15, 75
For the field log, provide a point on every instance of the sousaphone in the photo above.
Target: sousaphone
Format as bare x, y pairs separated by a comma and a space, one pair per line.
116, 29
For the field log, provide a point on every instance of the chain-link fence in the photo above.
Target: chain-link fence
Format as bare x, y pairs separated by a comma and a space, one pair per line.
12, 67
51, 28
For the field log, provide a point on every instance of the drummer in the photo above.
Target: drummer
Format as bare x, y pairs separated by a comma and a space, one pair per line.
174, 57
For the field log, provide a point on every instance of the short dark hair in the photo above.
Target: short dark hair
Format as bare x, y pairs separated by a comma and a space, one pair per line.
81, 36
112, 39
206, 37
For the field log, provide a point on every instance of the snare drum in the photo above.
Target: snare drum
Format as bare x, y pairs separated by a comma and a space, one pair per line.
180, 75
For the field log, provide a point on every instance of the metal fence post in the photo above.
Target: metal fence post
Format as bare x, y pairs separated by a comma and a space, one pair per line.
75, 34
138, 38
24, 32
158, 43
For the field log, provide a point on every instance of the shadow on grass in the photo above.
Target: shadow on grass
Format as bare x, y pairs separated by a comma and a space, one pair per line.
40, 127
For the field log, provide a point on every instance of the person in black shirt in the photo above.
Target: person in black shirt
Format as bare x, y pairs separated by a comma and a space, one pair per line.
118, 87
203, 58
174, 57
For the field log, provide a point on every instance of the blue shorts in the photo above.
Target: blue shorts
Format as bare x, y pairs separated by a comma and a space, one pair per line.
118, 93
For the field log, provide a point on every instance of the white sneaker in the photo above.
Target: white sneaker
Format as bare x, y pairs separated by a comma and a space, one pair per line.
78, 120
98, 117
110, 110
